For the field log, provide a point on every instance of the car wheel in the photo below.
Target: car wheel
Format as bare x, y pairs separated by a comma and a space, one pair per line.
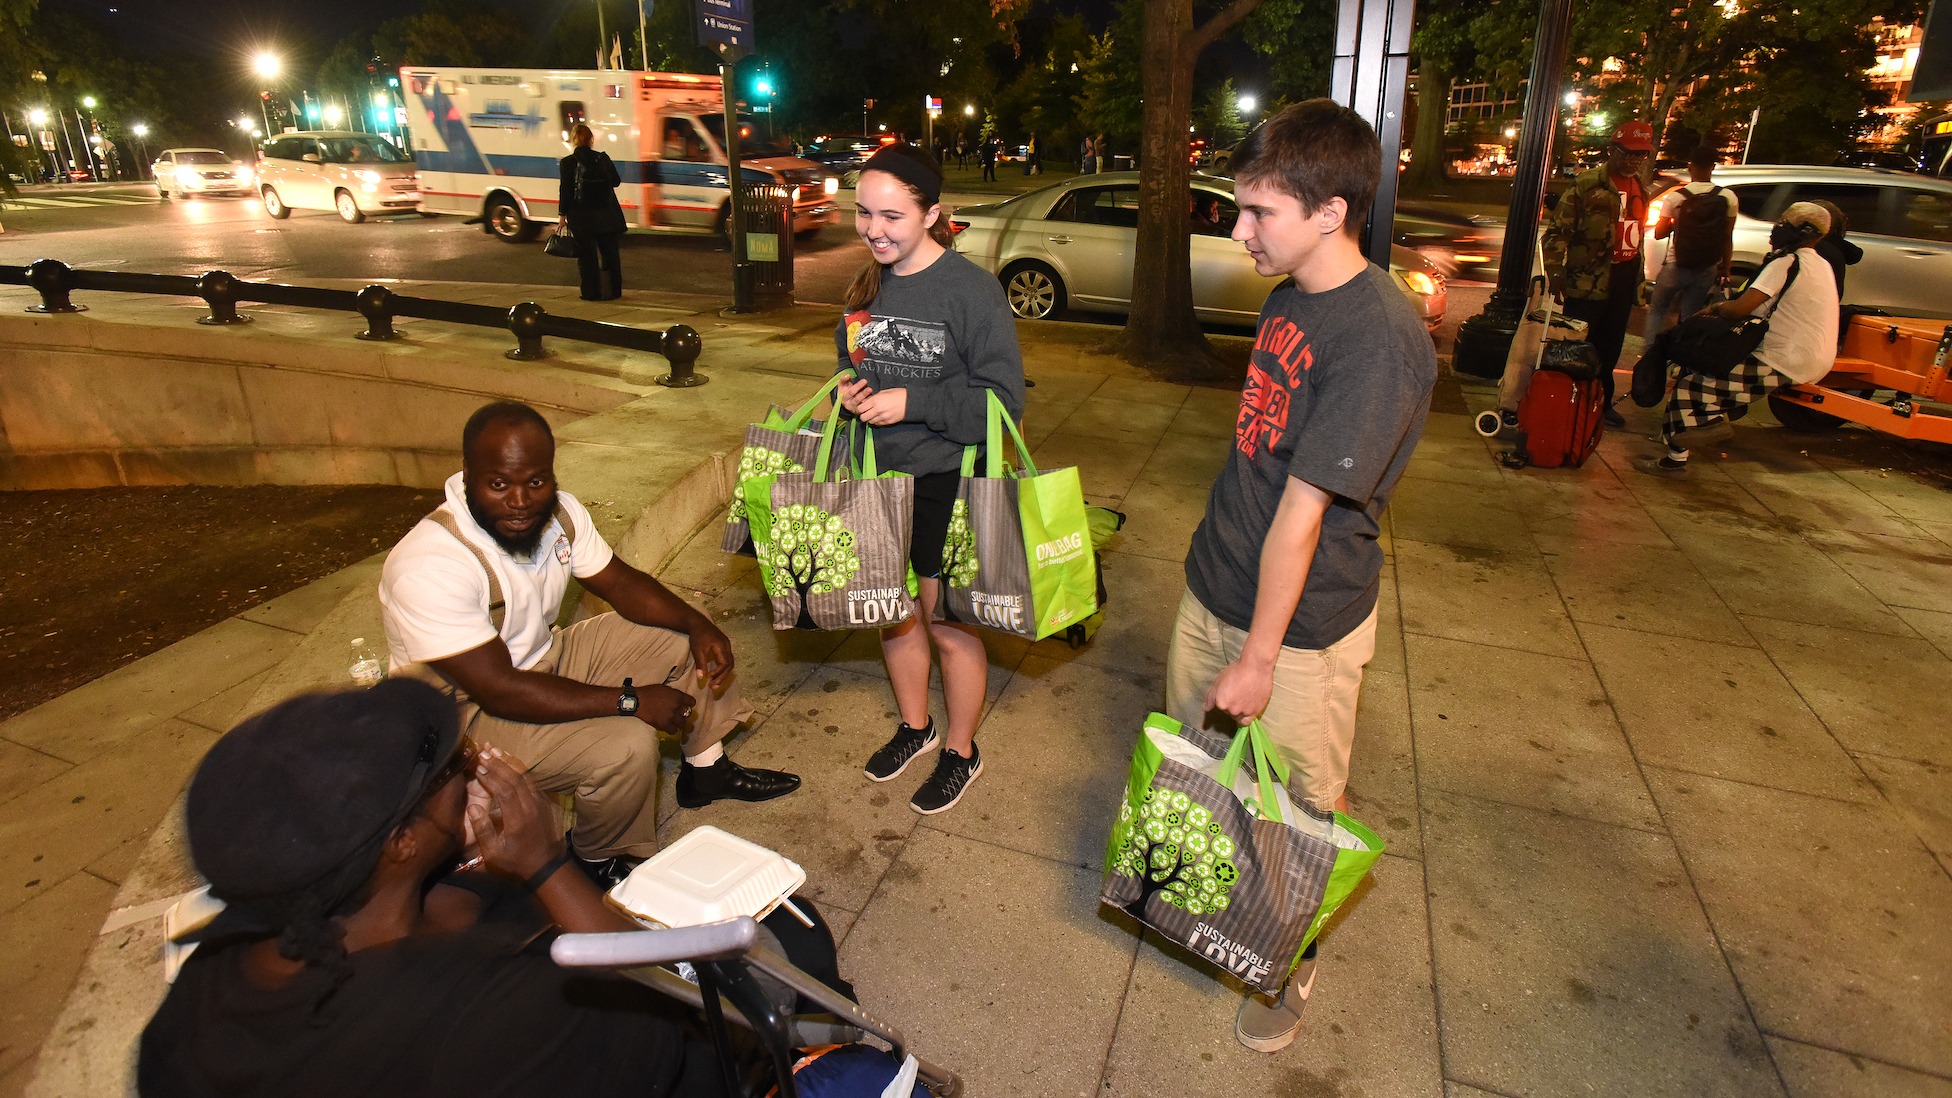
162, 194
348, 208
274, 205
1800, 419
1034, 290
427, 213
505, 220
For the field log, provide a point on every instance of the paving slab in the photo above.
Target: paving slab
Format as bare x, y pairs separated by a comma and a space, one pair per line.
23, 768
1522, 729
302, 610
1901, 710
1126, 422
1831, 914
844, 829
1903, 571
1382, 767
1573, 958
1812, 1072
1645, 587
1472, 461
1389, 624
52, 831
1789, 580
1105, 472
1488, 596
1446, 513
1052, 748
1922, 792
1930, 624
1721, 710
1188, 462
42, 945
1369, 1031
1143, 593
108, 712
1159, 522
1035, 1018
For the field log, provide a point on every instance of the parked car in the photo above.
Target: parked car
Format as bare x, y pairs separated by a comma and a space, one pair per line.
842, 155
1903, 221
190, 172
1070, 246
351, 173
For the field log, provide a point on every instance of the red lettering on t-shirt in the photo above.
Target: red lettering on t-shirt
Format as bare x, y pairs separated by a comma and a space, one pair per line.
1263, 415
1287, 345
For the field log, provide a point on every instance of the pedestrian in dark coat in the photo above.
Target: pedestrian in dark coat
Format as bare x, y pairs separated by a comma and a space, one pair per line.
588, 201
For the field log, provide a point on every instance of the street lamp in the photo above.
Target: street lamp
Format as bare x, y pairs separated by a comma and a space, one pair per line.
267, 65
332, 116
1246, 104
92, 140
141, 132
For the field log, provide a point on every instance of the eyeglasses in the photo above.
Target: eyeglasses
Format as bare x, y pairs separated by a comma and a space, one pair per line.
1632, 154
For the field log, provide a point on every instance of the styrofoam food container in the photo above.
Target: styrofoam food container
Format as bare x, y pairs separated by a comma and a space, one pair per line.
708, 876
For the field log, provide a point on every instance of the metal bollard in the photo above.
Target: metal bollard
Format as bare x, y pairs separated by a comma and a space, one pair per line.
375, 303
53, 280
525, 320
220, 290
682, 348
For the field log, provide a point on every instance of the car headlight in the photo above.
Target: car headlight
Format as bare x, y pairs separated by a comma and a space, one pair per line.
369, 178
831, 185
1421, 283
186, 177
244, 174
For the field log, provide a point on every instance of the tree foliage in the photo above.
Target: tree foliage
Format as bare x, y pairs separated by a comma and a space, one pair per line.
1218, 116
809, 552
1178, 852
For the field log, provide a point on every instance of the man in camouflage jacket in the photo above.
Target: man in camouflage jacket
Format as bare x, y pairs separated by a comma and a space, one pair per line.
1592, 246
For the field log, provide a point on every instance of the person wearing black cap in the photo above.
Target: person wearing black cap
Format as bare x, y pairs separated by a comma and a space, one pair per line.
928, 335
347, 961
469, 599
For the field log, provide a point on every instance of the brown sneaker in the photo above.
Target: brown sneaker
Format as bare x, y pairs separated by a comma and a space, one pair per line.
1266, 1027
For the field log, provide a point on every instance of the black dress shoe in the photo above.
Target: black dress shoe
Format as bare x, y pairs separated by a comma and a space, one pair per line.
699, 786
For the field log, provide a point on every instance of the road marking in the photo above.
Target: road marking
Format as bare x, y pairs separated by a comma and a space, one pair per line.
69, 202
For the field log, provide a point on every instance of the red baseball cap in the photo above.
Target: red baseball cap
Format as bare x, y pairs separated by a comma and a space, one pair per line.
1634, 137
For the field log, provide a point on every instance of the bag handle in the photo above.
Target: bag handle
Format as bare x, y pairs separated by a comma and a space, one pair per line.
999, 419
1268, 767
823, 460
799, 418
866, 467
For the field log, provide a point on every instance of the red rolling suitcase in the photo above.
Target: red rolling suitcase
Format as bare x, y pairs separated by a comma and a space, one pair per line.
1562, 416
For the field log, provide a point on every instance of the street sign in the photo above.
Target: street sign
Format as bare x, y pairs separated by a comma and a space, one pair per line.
932, 104
725, 23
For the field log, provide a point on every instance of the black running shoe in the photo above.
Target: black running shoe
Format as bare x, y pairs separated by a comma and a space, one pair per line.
945, 787
895, 755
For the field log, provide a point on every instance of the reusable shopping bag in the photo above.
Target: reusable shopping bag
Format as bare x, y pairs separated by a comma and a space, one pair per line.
783, 442
833, 553
1214, 856
1019, 556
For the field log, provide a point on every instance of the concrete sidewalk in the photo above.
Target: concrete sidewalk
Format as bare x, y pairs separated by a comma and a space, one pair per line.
1662, 767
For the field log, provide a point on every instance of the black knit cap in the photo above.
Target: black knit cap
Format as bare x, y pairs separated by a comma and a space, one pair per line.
913, 166
287, 813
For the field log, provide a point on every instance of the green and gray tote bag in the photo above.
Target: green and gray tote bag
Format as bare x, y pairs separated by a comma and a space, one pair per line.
833, 551
1209, 851
783, 442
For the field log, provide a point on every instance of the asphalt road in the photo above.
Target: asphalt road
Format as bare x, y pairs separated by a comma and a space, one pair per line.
125, 228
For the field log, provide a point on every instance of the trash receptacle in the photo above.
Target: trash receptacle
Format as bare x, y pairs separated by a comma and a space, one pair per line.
768, 262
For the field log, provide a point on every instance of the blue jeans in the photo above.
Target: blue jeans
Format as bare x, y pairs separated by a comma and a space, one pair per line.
1681, 290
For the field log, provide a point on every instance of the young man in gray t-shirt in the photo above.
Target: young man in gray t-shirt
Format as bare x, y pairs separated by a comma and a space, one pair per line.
1279, 614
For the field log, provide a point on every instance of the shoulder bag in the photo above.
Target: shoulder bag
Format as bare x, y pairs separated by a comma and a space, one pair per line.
1713, 345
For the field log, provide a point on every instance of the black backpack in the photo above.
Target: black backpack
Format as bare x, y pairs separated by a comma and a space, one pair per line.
1701, 229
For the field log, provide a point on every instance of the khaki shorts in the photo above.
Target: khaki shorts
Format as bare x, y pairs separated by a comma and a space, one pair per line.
1311, 713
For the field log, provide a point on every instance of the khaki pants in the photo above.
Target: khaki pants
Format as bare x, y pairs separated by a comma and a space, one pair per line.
1311, 714
611, 764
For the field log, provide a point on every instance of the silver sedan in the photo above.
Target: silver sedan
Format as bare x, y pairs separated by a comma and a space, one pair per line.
1071, 245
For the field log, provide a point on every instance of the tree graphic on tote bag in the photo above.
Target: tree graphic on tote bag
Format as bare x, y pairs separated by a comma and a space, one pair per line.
1177, 851
811, 553
757, 461
959, 563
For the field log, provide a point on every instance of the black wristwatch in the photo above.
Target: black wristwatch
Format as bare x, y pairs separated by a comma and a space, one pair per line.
627, 701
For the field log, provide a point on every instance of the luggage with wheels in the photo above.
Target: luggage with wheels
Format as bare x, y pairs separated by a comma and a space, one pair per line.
1562, 417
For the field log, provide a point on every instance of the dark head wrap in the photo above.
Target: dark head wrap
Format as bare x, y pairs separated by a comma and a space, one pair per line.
287, 814
912, 166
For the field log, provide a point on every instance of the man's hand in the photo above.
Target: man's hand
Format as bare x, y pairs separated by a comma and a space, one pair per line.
511, 824
664, 708
1241, 689
711, 651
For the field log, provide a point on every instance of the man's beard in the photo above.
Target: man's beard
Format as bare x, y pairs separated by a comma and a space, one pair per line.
521, 545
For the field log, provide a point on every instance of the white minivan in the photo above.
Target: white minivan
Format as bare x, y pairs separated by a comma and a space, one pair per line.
354, 174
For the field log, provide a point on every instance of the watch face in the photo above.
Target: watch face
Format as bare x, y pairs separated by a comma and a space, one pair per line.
627, 705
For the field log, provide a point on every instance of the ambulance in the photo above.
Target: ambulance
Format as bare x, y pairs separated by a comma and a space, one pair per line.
486, 143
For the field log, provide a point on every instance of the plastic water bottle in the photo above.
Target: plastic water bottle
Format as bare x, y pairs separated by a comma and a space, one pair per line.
367, 668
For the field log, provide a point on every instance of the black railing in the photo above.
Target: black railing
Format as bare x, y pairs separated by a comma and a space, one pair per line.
529, 322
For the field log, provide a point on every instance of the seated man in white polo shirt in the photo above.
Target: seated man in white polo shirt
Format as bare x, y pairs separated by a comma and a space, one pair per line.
472, 592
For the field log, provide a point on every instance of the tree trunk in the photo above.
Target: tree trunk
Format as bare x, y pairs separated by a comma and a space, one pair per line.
1426, 171
1162, 333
